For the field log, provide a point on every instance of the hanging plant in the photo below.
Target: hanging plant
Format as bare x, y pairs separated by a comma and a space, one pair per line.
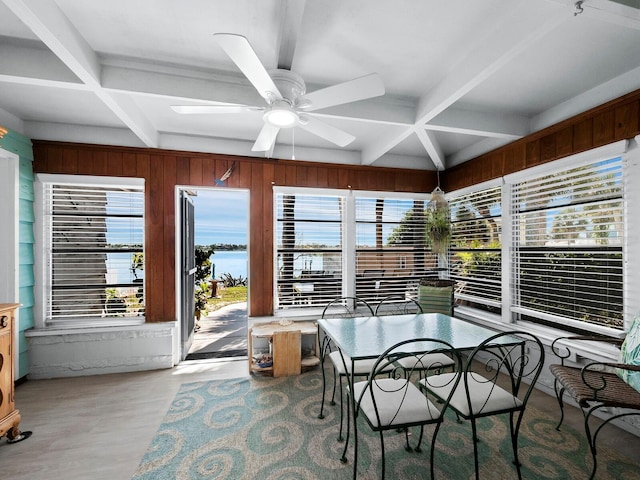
438, 222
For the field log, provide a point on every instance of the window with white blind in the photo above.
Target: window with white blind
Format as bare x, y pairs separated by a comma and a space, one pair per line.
93, 237
309, 244
475, 248
347, 243
391, 255
567, 239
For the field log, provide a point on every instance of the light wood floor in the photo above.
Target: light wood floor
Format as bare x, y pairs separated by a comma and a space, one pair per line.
99, 427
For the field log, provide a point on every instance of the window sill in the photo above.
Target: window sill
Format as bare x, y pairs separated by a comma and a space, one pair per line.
85, 329
590, 351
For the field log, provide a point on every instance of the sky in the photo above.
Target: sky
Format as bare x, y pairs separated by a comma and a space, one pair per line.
221, 216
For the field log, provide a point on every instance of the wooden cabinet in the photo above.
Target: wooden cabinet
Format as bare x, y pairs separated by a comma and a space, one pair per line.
283, 349
9, 416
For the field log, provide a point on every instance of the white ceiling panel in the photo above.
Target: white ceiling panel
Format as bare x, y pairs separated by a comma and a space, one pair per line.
458, 77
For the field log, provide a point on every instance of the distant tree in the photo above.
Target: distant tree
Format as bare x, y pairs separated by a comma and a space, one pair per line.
568, 225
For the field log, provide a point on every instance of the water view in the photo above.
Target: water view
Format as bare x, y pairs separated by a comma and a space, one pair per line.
232, 262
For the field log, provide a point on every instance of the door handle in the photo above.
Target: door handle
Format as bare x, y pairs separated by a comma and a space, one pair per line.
4, 321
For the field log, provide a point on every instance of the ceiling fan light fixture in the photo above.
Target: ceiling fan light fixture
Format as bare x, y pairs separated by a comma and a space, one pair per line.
281, 115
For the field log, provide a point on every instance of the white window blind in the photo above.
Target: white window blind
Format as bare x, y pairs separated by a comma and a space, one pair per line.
95, 262
391, 255
309, 244
567, 241
475, 248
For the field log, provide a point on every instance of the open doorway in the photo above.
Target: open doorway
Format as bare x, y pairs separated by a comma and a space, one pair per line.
220, 240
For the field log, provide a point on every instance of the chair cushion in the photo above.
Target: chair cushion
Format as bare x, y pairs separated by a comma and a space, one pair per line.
399, 402
630, 354
617, 393
486, 396
428, 361
362, 367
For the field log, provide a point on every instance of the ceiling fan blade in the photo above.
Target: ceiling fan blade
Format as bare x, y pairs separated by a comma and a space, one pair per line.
266, 138
198, 109
242, 54
357, 89
326, 131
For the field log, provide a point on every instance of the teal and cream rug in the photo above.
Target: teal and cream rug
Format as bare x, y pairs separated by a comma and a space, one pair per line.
268, 429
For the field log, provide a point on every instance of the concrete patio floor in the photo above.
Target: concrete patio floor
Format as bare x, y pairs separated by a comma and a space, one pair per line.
223, 333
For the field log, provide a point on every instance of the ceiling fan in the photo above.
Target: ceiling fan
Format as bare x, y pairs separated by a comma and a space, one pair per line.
285, 94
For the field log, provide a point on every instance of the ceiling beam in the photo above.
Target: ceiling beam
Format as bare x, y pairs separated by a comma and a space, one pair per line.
191, 86
52, 27
505, 42
432, 147
198, 87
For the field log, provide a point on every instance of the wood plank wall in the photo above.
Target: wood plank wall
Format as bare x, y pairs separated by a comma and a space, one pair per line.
163, 170
607, 123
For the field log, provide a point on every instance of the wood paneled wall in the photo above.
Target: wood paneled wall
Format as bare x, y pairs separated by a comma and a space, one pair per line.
163, 170
613, 121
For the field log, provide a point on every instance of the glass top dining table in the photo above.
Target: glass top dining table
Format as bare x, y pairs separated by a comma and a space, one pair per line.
367, 337
362, 338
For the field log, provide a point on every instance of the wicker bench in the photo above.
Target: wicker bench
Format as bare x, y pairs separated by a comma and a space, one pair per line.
596, 386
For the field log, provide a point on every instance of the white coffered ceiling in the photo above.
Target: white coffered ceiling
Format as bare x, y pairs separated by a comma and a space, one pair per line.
461, 77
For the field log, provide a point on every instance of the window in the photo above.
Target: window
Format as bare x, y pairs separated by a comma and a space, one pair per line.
547, 244
567, 240
309, 245
93, 237
475, 248
316, 235
391, 255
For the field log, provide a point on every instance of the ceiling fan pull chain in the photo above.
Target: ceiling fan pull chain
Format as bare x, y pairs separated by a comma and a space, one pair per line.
293, 144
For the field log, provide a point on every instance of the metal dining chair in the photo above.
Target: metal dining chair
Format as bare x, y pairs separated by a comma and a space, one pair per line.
388, 400
397, 305
484, 394
342, 307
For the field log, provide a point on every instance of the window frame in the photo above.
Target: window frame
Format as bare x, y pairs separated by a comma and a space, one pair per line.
42, 249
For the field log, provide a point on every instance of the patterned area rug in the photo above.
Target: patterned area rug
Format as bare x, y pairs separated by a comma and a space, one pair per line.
266, 428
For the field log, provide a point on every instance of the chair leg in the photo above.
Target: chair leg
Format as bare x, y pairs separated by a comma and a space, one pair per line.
418, 448
474, 435
407, 447
514, 428
591, 440
559, 396
333, 394
340, 438
323, 354
433, 451
324, 388
343, 459
382, 449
